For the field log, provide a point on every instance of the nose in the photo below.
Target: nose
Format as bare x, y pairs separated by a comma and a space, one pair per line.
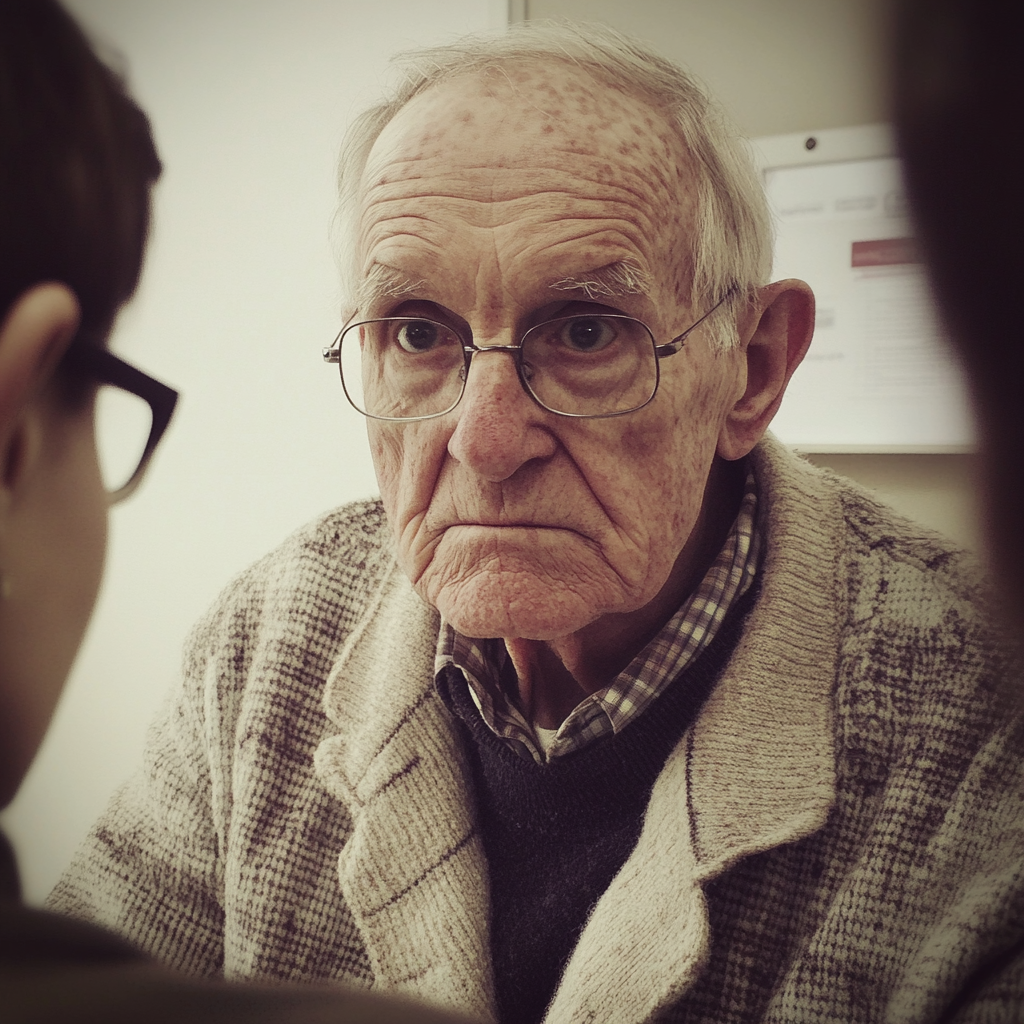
500, 428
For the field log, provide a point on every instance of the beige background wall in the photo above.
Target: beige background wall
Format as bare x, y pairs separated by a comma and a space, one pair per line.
787, 66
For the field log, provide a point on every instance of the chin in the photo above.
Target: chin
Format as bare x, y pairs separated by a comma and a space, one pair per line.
521, 583
509, 606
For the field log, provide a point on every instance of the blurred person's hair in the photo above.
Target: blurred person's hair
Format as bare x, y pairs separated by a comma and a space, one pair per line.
76, 164
732, 246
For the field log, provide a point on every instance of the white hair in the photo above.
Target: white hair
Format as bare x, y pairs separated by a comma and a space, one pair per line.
731, 250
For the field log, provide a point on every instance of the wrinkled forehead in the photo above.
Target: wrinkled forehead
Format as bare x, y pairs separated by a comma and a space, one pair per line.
532, 114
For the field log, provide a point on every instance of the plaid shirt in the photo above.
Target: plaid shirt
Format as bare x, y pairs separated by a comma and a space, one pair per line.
633, 690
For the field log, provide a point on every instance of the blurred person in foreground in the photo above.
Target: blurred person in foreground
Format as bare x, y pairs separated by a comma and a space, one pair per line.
612, 709
76, 165
958, 81
959, 92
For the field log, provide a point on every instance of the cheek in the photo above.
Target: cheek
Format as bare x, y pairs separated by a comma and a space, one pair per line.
58, 532
692, 436
407, 459
81, 524
669, 457
668, 468
386, 452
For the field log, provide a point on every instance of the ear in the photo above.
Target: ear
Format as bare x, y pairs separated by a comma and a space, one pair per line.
774, 337
34, 335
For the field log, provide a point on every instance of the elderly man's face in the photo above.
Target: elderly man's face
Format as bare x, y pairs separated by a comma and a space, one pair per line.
487, 205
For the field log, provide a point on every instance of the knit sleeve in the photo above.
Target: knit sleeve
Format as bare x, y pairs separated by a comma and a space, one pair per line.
196, 853
150, 868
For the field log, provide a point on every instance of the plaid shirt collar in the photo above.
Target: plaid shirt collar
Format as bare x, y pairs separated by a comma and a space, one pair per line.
633, 690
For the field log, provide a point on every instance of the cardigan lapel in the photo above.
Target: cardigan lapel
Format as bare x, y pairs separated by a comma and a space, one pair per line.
648, 938
413, 871
762, 762
756, 770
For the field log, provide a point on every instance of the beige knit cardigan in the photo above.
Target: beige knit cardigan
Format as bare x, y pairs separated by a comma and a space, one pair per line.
839, 836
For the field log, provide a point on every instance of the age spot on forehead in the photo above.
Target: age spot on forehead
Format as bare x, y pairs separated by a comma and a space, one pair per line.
559, 123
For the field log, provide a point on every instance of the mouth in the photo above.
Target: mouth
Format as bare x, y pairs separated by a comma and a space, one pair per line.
523, 526
513, 525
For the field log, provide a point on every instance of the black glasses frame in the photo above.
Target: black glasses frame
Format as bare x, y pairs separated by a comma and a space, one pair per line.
104, 367
470, 349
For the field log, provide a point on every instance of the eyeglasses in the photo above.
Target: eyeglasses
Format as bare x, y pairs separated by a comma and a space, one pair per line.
588, 366
131, 414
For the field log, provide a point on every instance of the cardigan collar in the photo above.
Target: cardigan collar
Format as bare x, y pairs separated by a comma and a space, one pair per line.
413, 871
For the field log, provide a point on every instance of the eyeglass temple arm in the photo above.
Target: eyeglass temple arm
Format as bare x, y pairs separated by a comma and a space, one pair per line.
160, 398
670, 348
106, 368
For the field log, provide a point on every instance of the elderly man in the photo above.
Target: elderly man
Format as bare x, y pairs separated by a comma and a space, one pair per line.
611, 710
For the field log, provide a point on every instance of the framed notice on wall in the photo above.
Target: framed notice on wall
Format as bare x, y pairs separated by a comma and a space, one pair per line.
879, 377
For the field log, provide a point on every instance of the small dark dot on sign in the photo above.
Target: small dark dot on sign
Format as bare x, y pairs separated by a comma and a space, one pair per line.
810, 143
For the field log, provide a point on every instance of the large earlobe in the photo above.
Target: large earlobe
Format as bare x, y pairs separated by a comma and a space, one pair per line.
774, 339
34, 334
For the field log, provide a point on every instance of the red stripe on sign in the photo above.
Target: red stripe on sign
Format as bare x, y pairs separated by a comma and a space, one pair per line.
884, 252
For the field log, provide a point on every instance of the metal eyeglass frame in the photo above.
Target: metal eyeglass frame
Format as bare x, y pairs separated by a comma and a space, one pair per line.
103, 367
333, 355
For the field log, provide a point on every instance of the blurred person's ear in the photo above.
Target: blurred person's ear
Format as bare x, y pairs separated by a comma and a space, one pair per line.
34, 335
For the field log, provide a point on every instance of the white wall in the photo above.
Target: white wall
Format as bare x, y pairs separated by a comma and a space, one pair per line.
248, 100
776, 65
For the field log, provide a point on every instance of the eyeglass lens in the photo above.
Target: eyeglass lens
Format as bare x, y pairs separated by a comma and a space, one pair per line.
122, 424
593, 365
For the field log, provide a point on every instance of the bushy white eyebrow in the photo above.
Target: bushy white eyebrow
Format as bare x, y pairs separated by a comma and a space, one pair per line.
384, 282
624, 277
